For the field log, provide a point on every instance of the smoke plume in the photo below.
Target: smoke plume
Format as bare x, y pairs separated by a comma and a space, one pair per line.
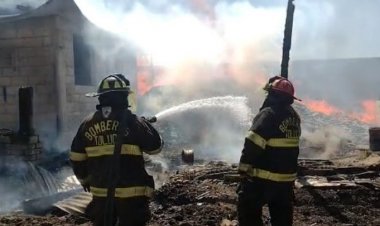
203, 49
326, 142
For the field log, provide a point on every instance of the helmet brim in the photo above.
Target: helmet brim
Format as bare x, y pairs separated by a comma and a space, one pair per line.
284, 93
296, 98
95, 94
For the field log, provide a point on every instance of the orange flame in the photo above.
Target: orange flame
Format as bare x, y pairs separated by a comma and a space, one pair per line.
143, 83
321, 106
368, 113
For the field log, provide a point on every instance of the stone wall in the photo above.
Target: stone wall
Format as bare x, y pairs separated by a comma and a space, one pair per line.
27, 58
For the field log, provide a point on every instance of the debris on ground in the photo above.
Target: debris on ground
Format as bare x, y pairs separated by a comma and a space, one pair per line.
327, 192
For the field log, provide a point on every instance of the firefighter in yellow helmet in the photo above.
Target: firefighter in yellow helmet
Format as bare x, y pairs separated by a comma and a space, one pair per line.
97, 163
268, 164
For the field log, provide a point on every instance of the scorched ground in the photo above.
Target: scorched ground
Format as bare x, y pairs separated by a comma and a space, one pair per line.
341, 192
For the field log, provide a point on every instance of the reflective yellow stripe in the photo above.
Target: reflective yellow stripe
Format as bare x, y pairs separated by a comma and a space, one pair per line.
117, 84
124, 192
283, 142
154, 151
244, 167
126, 149
273, 142
75, 156
132, 100
105, 85
264, 174
257, 139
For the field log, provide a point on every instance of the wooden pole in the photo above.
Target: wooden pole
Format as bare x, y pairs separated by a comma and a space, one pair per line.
287, 42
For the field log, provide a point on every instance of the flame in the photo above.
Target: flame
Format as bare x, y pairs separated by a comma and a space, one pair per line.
368, 113
143, 84
321, 106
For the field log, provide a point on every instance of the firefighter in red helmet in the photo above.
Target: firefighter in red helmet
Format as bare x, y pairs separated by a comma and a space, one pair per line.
268, 164
93, 156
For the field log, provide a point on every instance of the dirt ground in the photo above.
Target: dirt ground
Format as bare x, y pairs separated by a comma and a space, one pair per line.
205, 195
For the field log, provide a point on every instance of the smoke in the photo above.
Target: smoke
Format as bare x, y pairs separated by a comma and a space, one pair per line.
326, 142
182, 32
196, 42
202, 49
199, 50
21, 181
188, 40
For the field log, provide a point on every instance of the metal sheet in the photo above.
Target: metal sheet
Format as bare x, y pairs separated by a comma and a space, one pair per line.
76, 204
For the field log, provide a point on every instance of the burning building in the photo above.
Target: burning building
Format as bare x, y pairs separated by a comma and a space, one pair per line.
55, 50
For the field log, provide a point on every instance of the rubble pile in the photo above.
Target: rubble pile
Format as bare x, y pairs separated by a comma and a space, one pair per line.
196, 196
343, 191
327, 194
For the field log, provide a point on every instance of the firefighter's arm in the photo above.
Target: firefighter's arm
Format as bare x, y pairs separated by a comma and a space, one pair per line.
255, 141
148, 137
78, 159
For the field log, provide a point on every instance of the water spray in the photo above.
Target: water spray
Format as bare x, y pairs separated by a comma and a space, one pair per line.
198, 123
236, 104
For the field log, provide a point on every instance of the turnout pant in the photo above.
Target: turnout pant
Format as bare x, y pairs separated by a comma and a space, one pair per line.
254, 194
127, 211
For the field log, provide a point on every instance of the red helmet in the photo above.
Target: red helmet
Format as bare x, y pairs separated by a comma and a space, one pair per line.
283, 85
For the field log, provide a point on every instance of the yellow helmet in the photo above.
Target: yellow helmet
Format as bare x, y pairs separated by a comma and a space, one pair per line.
112, 83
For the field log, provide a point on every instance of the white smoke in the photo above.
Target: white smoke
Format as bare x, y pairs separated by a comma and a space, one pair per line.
192, 39
21, 181
326, 142
173, 30
178, 32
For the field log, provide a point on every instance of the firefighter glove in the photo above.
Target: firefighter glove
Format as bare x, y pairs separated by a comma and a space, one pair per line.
86, 187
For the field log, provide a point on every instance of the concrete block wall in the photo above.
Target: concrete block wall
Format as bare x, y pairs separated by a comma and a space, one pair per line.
39, 52
76, 105
27, 59
121, 60
12, 147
